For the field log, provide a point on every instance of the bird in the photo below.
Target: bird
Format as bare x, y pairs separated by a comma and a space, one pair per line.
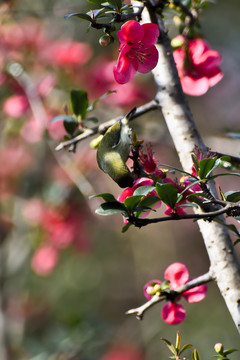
114, 149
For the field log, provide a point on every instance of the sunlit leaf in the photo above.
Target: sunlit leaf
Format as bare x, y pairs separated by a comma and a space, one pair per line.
167, 193
233, 196
111, 208
132, 201
206, 166
144, 190
79, 15
79, 101
106, 196
61, 118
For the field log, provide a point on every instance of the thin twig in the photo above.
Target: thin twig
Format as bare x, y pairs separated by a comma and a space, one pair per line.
228, 209
102, 128
139, 311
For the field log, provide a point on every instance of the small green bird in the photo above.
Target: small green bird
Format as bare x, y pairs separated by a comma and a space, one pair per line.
113, 152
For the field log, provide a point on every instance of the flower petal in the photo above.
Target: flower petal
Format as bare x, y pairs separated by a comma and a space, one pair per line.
173, 313
143, 181
151, 34
177, 274
126, 67
150, 61
195, 294
195, 86
131, 32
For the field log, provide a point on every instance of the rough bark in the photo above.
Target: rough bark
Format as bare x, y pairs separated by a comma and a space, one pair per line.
224, 265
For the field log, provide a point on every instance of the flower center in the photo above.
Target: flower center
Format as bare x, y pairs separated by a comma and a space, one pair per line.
138, 51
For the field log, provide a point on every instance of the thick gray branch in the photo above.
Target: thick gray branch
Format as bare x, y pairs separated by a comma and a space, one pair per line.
224, 266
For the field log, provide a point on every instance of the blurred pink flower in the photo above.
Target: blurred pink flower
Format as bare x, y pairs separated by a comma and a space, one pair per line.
197, 65
101, 80
15, 157
124, 353
44, 260
33, 210
178, 275
66, 53
137, 50
15, 105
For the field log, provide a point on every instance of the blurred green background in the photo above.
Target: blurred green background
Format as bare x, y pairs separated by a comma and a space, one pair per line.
77, 311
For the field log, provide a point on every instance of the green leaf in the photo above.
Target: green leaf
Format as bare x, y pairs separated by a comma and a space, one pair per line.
70, 125
61, 118
167, 193
116, 3
229, 351
195, 162
106, 196
79, 101
150, 201
195, 355
170, 346
233, 196
223, 174
126, 227
132, 201
206, 166
230, 227
111, 208
178, 341
80, 15
93, 105
143, 190
185, 347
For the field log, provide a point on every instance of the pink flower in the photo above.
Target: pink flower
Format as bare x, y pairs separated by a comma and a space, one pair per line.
178, 275
44, 260
123, 353
137, 50
130, 191
197, 65
66, 53
15, 106
100, 79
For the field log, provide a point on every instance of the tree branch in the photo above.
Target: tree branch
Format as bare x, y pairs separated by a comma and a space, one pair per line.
102, 128
209, 216
224, 263
139, 311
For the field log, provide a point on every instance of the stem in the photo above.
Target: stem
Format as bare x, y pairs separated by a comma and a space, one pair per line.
224, 266
139, 311
206, 216
102, 128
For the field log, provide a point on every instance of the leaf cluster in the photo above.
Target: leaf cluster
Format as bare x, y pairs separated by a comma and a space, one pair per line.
105, 14
80, 108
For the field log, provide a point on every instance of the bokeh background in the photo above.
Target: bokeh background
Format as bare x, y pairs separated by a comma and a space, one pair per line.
68, 275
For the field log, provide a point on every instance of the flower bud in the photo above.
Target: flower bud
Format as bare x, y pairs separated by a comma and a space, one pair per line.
105, 40
218, 348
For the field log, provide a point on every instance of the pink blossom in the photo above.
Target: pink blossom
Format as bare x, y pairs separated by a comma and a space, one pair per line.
177, 274
130, 190
66, 53
137, 50
44, 260
15, 106
123, 353
197, 65
149, 163
100, 79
